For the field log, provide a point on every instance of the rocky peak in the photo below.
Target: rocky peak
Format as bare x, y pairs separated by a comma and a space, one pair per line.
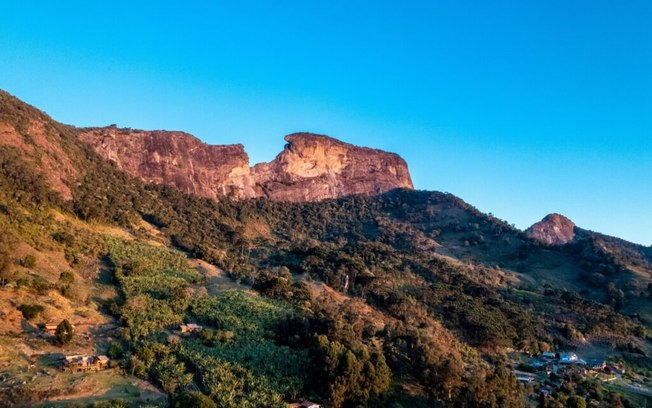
553, 229
311, 167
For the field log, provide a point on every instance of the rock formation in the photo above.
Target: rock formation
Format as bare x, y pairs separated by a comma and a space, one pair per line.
554, 229
310, 168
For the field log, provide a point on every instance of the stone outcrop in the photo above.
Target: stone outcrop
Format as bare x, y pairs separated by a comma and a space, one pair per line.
554, 229
310, 168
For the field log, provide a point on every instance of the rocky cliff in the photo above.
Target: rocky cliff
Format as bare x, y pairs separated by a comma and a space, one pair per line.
553, 229
310, 168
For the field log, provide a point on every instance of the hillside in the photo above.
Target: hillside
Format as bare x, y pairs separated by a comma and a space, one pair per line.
405, 298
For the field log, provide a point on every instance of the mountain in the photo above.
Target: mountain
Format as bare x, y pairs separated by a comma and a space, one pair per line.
310, 168
311, 281
554, 229
602, 255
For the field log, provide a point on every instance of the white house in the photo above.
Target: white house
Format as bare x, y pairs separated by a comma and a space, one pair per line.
567, 358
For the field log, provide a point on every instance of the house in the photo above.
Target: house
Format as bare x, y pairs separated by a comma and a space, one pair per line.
567, 358
304, 404
190, 327
51, 327
548, 356
539, 363
83, 364
103, 361
596, 364
546, 390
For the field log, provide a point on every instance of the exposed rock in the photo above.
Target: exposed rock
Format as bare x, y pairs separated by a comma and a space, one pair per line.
314, 167
176, 158
310, 168
554, 229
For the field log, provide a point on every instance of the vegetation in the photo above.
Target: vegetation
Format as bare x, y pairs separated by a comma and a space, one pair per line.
63, 333
30, 310
194, 400
437, 321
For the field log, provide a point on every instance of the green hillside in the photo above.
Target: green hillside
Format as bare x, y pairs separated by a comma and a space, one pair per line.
442, 304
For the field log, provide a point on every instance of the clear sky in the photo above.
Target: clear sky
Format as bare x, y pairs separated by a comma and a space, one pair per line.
521, 108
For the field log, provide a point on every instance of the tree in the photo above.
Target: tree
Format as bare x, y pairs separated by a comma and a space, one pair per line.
64, 332
615, 296
194, 399
6, 270
351, 377
171, 374
576, 402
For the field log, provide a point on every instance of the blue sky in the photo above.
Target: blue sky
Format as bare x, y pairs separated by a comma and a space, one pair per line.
520, 108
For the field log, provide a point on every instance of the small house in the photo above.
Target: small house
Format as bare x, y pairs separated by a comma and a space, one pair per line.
51, 327
524, 379
539, 363
546, 390
596, 364
102, 362
567, 358
83, 364
548, 356
190, 327
304, 404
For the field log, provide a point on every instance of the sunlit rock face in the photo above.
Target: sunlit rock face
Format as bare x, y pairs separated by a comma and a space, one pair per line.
554, 229
310, 167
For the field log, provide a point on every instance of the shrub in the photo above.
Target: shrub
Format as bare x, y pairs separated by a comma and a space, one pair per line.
30, 310
28, 262
67, 277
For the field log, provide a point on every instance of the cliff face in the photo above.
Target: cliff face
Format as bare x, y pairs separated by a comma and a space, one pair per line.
554, 229
175, 158
310, 168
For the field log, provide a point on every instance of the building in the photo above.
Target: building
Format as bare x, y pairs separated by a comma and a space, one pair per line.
51, 327
304, 404
190, 327
548, 356
524, 378
567, 358
83, 364
596, 364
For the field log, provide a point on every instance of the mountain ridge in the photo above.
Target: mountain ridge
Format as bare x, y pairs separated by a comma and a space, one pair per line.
310, 168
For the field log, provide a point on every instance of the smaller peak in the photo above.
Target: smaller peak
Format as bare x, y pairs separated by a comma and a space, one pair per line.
553, 229
556, 217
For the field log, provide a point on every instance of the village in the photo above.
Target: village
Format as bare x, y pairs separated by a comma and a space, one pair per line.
547, 372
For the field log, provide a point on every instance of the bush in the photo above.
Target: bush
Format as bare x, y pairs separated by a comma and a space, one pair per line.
28, 262
64, 333
30, 310
67, 277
